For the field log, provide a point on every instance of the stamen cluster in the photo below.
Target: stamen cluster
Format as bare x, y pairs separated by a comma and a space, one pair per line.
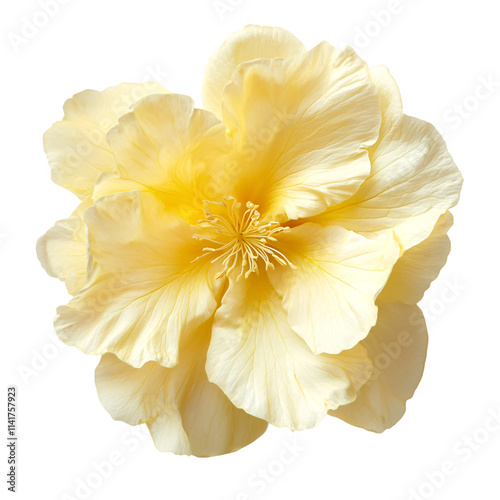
240, 241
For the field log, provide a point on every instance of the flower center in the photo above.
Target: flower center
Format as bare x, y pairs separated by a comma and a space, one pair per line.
240, 241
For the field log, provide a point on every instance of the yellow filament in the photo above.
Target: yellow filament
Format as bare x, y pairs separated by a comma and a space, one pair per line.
240, 241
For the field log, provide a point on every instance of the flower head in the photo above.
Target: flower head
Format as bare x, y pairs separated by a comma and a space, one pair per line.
250, 262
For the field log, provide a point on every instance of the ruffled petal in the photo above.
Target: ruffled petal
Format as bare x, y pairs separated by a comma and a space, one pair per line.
251, 42
330, 297
62, 250
76, 147
185, 413
413, 182
145, 291
397, 346
390, 100
419, 266
268, 370
168, 146
301, 127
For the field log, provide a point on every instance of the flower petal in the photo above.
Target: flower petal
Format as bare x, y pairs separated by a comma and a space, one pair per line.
62, 250
330, 297
167, 145
419, 266
251, 42
413, 181
76, 147
302, 127
267, 370
389, 97
185, 413
397, 346
144, 291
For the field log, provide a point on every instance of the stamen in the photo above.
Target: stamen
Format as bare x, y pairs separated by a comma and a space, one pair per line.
240, 240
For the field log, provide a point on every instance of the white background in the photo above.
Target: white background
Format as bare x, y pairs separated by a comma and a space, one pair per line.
441, 53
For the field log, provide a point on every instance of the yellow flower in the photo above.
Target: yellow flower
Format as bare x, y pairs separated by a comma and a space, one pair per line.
257, 261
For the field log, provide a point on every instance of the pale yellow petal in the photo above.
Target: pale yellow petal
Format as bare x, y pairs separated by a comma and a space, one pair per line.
62, 250
419, 266
397, 346
109, 183
390, 100
413, 182
302, 127
185, 413
145, 291
76, 147
168, 146
398, 342
266, 369
330, 297
251, 42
